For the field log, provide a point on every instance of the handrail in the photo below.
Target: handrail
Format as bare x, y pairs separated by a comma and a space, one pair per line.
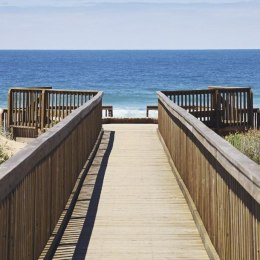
149, 108
41, 147
36, 182
244, 170
232, 88
31, 88
223, 183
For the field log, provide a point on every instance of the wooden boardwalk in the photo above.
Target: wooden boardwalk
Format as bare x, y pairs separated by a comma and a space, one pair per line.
130, 205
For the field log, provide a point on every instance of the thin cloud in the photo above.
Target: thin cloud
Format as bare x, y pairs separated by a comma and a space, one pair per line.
131, 26
78, 3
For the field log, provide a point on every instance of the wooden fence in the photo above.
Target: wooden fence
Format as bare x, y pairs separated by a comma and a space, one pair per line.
218, 107
3, 119
223, 183
41, 108
107, 111
36, 183
151, 108
256, 112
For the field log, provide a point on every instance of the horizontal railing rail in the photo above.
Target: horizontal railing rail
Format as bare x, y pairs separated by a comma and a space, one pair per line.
36, 183
223, 183
150, 108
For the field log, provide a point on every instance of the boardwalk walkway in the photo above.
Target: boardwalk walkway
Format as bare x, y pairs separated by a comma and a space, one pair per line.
130, 205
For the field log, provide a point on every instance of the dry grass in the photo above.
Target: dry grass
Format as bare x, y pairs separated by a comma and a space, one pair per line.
248, 143
8, 147
3, 155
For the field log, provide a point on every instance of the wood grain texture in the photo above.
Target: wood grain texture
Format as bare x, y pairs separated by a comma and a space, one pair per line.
41, 108
223, 183
139, 211
36, 183
223, 109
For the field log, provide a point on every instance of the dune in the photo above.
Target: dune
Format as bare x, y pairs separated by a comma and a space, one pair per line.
10, 147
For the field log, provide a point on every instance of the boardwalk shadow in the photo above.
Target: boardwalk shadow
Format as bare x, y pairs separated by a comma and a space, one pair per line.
98, 168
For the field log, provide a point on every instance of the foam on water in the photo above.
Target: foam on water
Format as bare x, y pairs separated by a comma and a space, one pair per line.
132, 113
130, 79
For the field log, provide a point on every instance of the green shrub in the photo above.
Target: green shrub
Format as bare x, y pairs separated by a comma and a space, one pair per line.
248, 143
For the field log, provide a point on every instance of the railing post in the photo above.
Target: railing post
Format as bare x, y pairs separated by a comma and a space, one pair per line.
10, 109
1, 117
216, 106
250, 108
258, 119
43, 109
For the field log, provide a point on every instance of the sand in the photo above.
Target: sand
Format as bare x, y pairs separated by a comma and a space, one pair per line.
10, 147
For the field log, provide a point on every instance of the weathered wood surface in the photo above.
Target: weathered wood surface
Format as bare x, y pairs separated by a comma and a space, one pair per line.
36, 183
3, 118
256, 112
218, 107
130, 206
107, 111
150, 108
42, 107
223, 183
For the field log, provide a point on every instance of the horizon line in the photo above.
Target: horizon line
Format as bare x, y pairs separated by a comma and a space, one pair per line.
198, 49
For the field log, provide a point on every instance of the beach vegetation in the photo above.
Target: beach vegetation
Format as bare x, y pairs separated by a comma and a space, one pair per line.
3, 155
6, 134
248, 143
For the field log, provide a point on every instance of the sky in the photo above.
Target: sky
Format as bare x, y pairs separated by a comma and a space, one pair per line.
129, 24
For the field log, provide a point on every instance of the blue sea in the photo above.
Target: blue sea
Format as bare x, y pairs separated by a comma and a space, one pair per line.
130, 79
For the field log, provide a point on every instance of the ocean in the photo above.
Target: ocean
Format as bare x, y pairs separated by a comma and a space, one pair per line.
130, 79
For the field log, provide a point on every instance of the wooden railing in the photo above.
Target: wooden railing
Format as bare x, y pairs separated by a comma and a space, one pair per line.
108, 111
256, 123
150, 108
36, 183
42, 108
3, 119
218, 107
223, 183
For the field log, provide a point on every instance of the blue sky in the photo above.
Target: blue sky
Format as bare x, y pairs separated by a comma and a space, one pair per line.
129, 24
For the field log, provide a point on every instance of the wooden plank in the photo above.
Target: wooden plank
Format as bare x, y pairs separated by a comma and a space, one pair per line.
238, 165
234, 189
36, 183
142, 213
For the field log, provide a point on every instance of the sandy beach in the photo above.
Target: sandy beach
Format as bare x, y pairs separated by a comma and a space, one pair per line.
10, 147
